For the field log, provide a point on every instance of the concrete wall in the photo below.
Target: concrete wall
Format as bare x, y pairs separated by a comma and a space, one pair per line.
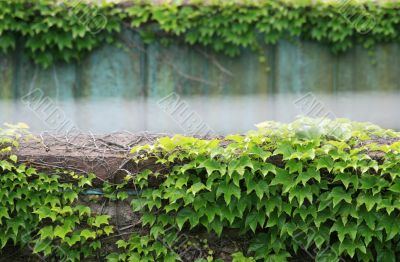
121, 83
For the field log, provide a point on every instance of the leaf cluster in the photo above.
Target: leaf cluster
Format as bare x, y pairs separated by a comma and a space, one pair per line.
311, 185
41, 210
53, 31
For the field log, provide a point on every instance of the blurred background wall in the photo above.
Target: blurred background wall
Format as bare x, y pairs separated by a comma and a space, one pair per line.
128, 87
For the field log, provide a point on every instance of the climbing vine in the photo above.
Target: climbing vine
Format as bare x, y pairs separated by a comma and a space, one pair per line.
50, 31
309, 185
40, 211
315, 186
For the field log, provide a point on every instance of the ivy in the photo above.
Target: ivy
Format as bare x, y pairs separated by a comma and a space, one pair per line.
266, 185
50, 31
329, 188
40, 210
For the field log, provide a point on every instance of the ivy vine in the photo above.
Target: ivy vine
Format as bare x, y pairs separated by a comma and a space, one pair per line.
50, 31
40, 211
330, 187
309, 185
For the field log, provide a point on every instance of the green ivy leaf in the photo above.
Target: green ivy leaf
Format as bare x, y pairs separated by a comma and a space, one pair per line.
311, 173
75, 238
325, 162
228, 190
212, 165
186, 214
3, 214
42, 246
346, 179
61, 231
45, 212
88, 234
338, 195
343, 230
46, 232
255, 218
285, 179
195, 188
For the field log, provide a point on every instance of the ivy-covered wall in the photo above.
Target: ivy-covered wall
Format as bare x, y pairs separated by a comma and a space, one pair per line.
133, 48
153, 70
149, 51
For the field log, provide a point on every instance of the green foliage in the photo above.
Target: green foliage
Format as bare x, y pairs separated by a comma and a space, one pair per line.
312, 184
41, 210
51, 31
329, 188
